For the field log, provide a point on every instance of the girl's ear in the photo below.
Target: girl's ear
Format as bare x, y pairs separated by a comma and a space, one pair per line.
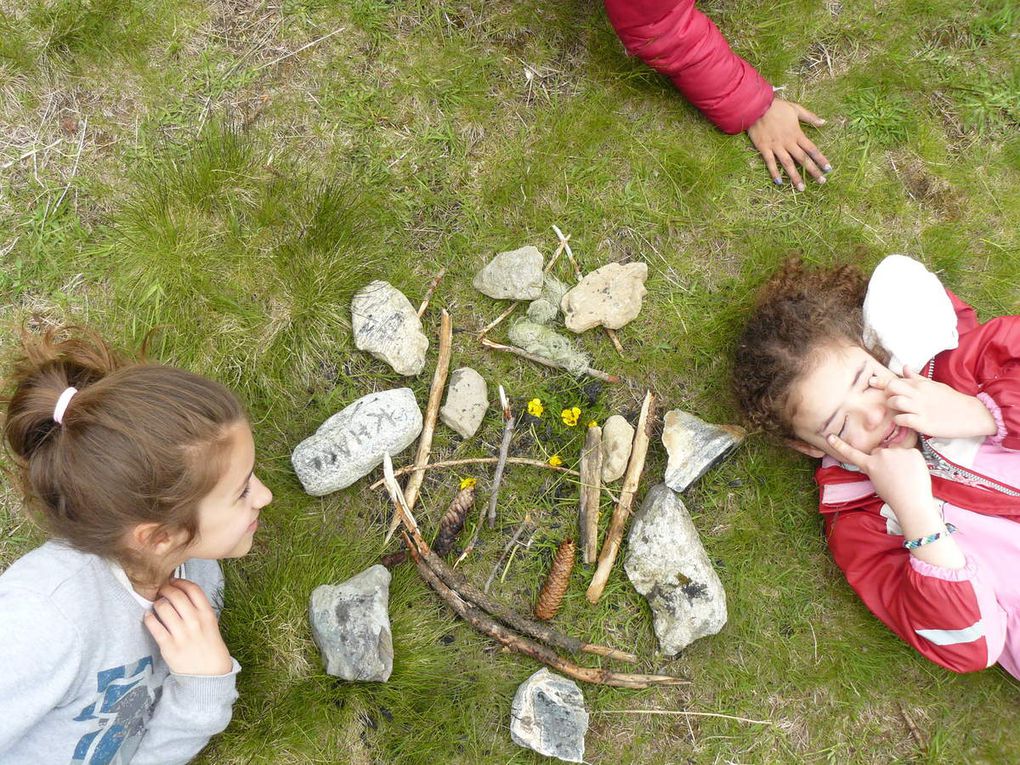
154, 538
804, 448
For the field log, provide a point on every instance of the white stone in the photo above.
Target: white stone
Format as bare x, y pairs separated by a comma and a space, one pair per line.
667, 563
467, 398
694, 446
386, 325
351, 626
609, 296
351, 443
617, 439
514, 275
548, 716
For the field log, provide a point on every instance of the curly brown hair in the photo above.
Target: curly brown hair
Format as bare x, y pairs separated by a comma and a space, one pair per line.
798, 311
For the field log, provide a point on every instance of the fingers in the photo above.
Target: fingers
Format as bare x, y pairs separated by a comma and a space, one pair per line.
819, 159
908, 420
193, 592
904, 404
791, 169
807, 163
168, 615
809, 117
846, 452
770, 163
155, 627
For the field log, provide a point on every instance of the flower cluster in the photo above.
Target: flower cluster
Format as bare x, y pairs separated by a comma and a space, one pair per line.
570, 416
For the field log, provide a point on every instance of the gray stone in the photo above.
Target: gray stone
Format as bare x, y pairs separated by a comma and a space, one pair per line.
514, 275
549, 344
386, 325
617, 439
467, 398
351, 626
609, 296
667, 563
546, 308
351, 443
548, 716
694, 446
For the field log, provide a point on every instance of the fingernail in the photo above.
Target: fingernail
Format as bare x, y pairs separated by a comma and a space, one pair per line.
800, 187
822, 179
827, 169
821, 122
778, 181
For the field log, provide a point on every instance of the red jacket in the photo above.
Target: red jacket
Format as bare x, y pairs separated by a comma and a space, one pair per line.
937, 611
679, 41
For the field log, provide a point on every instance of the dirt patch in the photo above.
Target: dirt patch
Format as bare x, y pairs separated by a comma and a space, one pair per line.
926, 189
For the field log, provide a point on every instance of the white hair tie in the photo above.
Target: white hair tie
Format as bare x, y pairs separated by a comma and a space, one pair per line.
62, 402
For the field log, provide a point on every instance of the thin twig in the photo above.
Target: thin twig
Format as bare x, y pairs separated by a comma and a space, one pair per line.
295, 52
546, 362
523, 526
30, 153
432, 288
681, 712
504, 452
74, 169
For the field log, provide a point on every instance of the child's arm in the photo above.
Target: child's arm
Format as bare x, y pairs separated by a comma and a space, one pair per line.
39, 662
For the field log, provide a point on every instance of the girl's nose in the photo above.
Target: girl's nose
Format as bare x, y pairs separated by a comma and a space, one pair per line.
263, 495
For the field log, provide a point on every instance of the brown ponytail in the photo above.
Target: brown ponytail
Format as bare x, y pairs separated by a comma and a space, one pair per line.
140, 442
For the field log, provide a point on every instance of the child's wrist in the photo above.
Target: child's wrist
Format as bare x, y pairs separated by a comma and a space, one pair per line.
992, 415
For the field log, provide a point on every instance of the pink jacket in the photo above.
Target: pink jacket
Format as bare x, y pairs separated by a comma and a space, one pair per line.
679, 41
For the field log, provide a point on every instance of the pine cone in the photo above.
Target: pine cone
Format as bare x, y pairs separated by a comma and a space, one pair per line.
551, 596
453, 520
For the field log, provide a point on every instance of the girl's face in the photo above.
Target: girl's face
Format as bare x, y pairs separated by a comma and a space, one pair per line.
228, 515
836, 396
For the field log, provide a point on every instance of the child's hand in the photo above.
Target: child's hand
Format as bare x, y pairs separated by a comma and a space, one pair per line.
900, 476
184, 626
933, 408
778, 137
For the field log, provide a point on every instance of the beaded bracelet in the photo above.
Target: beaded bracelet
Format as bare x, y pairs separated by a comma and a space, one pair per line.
913, 544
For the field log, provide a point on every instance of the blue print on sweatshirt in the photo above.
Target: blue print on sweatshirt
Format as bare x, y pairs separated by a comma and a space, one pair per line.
124, 700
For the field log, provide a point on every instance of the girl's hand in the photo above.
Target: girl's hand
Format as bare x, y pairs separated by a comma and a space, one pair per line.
900, 476
779, 139
935, 409
184, 626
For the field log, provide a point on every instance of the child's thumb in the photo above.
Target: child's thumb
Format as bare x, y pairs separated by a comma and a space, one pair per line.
809, 117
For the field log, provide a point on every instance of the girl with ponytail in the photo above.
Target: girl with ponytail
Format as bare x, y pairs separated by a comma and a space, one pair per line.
142, 475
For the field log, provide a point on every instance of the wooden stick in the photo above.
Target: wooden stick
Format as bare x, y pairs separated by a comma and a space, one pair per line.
544, 361
504, 452
489, 626
421, 458
680, 712
526, 525
467, 591
432, 288
591, 492
477, 461
615, 338
621, 512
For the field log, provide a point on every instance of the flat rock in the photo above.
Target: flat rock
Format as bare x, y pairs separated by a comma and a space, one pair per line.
694, 446
514, 275
351, 443
386, 325
549, 344
609, 296
617, 439
467, 398
351, 626
667, 563
548, 716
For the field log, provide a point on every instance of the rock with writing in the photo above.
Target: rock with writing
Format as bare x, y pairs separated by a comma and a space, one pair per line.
546, 308
351, 626
667, 563
467, 398
694, 446
609, 296
351, 443
617, 439
514, 275
549, 344
386, 325
548, 716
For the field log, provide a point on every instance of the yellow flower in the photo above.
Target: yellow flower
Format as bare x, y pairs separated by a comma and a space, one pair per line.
569, 416
535, 407
555, 460
593, 423
467, 483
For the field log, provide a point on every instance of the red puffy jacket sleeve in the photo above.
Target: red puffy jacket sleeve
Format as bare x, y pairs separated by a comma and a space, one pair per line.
676, 39
950, 616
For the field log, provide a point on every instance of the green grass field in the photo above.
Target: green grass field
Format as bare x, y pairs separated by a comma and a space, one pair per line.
168, 164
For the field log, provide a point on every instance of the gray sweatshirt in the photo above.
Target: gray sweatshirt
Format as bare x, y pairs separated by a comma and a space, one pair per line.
81, 679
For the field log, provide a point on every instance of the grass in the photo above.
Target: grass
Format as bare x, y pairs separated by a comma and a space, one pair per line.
235, 204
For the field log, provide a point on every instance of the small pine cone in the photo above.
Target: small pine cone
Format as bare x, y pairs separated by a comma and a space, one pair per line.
551, 596
453, 520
